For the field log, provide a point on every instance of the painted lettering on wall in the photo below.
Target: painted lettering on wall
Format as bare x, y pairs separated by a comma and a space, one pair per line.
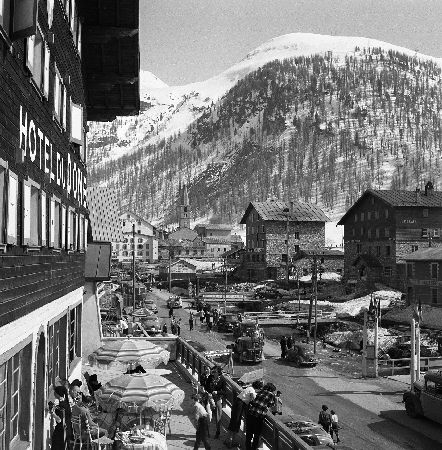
63, 172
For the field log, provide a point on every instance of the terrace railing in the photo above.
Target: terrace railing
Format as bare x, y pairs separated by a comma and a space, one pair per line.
401, 366
276, 436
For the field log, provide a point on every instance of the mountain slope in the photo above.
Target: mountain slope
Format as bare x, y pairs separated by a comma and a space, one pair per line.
321, 128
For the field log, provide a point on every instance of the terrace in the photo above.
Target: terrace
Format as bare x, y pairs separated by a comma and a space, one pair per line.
184, 367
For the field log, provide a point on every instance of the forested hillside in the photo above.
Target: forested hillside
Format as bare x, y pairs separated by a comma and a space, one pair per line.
318, 128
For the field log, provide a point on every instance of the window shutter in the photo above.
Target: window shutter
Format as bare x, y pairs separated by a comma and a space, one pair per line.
80, 232
43, 218
52, 224
63, 226
63, 109
79, 38
76, 123
72, 15
86, 224
26, 233
46, 73
30, 46
24, 22
50, 6
56, 93
68, 234
12, 209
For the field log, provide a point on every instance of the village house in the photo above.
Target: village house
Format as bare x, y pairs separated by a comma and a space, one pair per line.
424, 276
383, 227
51, 84
268, 225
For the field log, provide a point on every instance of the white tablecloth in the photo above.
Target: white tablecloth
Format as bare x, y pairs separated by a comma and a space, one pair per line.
152, 441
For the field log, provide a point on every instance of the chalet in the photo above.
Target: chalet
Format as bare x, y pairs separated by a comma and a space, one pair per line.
384, 227
51, 83
189, 269
424, 276
268, 225
219, 230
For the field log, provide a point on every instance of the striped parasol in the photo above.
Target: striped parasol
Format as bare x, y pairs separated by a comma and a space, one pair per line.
137, 392
122, 352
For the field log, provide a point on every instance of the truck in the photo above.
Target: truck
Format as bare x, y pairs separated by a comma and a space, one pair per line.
425, 397
248, 349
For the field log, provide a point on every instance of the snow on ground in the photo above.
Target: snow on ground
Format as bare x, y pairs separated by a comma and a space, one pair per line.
431, 316
352, 339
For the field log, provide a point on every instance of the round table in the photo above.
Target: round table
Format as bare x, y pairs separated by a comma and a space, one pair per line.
152, 441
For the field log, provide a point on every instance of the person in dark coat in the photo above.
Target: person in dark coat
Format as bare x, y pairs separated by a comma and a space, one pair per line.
289, 343
283, 344
57, 411
216, 385
170, 313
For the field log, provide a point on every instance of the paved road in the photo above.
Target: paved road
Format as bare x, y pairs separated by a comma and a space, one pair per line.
371, 412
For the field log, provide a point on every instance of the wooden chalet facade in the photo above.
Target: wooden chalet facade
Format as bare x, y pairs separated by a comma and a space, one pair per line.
267, 225
424, 276
45, 102
383, 227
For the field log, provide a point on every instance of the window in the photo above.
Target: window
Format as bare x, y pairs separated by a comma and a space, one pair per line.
124, 246
433, 295
140, 239
353, 232
37, 61
425, 212
139, 231
263, 228
356, 217
369, 233
74, 333
131, 240
436, 233
15, 396
362, 216
284, 257
140, 246
296, 248
2, 205
185, 209
387, 213
387, 232
414, 248
76, 134
358, 248
387, 250
128, 216
368, 215
388, 271
124, 253
362, 231
424, 232
378, 250
124, 223
55, 223
59, 99
139, 222
410, 270
31, 216
140, 253
434, 267
296, 234
12, 208
72, 230
377, 232
53, 352
376, 214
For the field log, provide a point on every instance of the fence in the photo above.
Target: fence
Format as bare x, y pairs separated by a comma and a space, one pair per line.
230, 297
401, 366
276, 435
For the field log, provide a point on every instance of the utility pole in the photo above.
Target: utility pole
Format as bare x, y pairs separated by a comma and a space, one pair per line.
225, 285
133, 265
170, 275
315, 293
287, 211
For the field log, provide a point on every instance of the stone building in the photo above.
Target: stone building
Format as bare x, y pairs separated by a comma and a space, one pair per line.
383, 227
51, 83
268, 224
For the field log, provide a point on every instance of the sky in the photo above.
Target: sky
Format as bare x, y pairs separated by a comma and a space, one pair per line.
191, 40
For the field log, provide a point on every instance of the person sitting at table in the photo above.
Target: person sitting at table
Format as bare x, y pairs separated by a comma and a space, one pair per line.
81, 409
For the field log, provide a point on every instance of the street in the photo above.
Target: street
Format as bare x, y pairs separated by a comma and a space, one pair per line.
370, 412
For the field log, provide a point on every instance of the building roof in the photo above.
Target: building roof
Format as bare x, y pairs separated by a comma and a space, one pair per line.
322, 252
183, 233
426, 254
233, 252
235, 238
273, 210
216, 240
200, 265
123, 216
214, 226
397, 199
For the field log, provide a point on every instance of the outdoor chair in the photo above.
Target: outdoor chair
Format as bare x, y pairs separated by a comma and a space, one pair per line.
83, 438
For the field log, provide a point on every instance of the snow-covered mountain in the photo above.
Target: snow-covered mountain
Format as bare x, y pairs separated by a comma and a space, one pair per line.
358, 105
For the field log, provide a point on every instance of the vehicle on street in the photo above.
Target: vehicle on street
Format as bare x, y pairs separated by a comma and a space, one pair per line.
142, 312
426, 397
226, 323
309, 431
247, 349
267, 292
151, 324
301, 356
151, 305
174, 301
248, 328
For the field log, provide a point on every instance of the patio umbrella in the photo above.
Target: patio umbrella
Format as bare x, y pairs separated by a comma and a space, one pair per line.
137, 392
122, 352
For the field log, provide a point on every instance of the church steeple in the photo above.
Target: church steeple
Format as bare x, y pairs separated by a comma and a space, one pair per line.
184, 209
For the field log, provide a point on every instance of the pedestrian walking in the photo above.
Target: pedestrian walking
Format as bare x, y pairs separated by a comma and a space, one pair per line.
277, 407
325, 418
191, 321
165, 328
256, 414
210, 322
334, 429
178, 327
283, 344
202, 316
201, 423
170, 312
216, 386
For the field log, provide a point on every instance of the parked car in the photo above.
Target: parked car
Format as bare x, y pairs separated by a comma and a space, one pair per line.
247, 349
151, 305
226, 323
174, 301
426, 397
301, 356
151, 324
309, 431
267, 293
